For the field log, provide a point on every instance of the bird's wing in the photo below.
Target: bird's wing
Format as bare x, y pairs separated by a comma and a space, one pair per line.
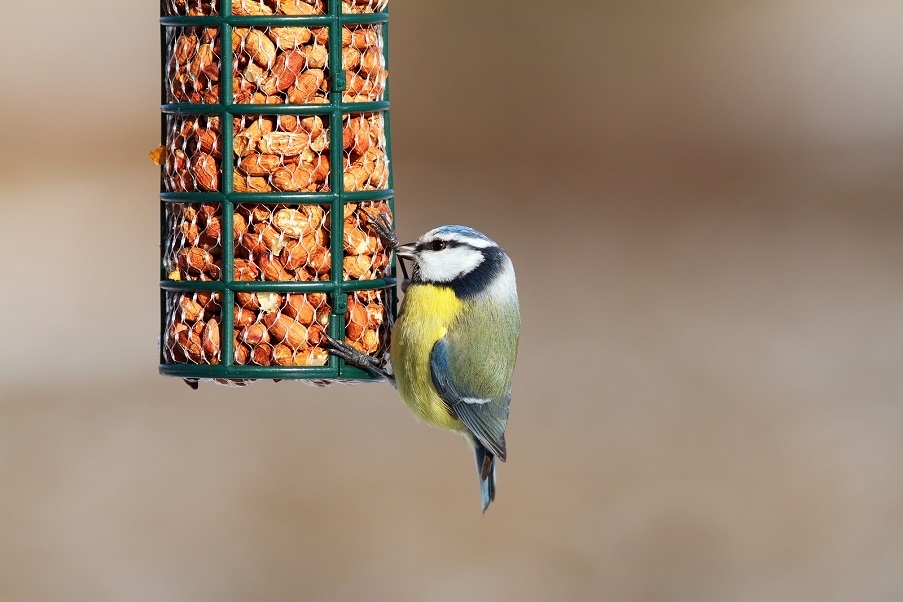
485, 416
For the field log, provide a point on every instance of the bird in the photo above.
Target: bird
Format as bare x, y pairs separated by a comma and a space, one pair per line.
454, 343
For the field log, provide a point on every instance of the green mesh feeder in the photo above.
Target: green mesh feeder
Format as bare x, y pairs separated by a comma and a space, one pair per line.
275, 158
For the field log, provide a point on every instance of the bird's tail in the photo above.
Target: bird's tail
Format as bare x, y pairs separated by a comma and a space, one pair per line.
486, 473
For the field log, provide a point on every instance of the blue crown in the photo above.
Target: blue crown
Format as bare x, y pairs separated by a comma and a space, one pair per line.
463, 231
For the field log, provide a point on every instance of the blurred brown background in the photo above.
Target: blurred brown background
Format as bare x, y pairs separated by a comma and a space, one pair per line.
703, 203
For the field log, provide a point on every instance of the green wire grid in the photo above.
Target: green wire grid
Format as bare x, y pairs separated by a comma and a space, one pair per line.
226, 109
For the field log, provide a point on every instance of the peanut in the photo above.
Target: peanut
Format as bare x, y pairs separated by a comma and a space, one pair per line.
250, 7
245, 183
210, 338
242, 353
255, 334
299, 308
272, 269
246, 140
293, 178
260, 48
262, 354
245, 270
244, 317
289, 38
300, 7
256, 164
191, 310
293, 223
205, 171
283, 143
285, 329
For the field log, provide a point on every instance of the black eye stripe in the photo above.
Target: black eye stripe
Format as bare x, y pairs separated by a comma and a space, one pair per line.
438, 244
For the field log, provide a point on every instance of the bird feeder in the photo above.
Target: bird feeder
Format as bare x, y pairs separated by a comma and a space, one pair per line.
275, 157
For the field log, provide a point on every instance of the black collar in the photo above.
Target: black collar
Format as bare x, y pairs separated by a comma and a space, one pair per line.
470, 285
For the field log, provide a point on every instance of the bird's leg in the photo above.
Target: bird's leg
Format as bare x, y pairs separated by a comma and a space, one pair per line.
383, 227
357, 358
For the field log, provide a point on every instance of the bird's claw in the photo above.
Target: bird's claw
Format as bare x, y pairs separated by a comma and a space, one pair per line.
355, 357
348, 353
383, 226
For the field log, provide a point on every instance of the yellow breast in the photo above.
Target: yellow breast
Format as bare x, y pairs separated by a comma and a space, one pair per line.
426, 313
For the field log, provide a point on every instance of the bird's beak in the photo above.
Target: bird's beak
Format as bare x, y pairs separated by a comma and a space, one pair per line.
408, 251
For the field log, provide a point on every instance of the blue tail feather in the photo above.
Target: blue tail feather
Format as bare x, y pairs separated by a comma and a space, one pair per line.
486, 474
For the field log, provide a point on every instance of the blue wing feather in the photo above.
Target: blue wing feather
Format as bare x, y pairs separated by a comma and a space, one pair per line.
486, 418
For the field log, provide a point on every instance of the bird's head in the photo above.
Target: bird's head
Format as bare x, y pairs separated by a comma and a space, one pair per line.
468, 261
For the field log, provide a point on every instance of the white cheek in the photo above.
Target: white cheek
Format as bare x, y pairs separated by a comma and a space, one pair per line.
445, 266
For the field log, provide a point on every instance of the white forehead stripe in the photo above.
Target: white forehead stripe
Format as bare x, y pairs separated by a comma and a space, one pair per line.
473, 241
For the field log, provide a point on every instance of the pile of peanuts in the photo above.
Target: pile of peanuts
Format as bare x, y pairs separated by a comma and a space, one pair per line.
270, 329
199, 8
272, 243
290, 153
284, 153
274, 65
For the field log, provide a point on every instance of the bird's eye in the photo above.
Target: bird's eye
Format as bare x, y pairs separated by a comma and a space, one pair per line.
438, 245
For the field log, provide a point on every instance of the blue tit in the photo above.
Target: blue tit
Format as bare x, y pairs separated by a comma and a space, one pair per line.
454, 342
